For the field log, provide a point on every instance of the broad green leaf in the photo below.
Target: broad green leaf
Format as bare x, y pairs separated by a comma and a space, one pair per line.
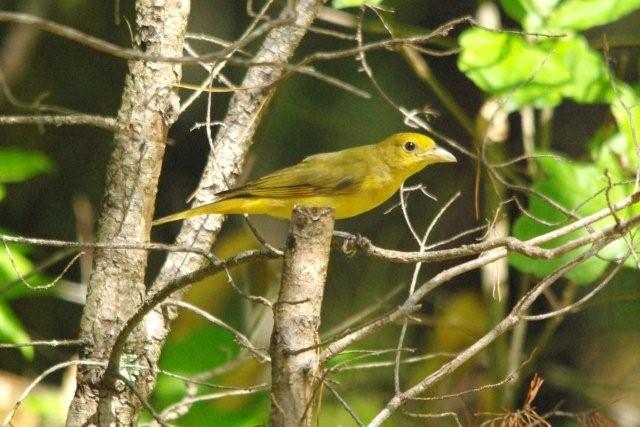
18, 165
589, 73
3, 192
553, 15
341, 4
11, 330
570, 185
584, 14
528, 73
515, 9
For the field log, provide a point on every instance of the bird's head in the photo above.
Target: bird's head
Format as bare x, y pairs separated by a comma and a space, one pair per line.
411, 152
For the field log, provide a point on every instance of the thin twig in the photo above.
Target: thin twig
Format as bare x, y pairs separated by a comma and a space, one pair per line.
27, 391
344, 404
107, 123
43, 343
46, 285
240, 338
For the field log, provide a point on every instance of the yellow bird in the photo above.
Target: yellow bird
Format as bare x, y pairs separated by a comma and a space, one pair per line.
351, 181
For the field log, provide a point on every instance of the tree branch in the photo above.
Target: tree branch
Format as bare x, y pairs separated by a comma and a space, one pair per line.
116, 288
507, 323
297, 316
223, 166
107, 123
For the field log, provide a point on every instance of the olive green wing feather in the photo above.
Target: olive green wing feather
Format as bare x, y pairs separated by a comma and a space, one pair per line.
324, 174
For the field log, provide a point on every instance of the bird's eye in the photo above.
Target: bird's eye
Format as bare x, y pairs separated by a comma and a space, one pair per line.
409, 146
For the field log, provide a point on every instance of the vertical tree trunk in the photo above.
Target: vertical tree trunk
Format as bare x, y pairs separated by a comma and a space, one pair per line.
116, 288
225, 161
294, 376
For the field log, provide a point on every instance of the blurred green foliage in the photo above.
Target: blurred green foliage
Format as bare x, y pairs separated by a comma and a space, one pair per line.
529, 70
16, 165
578, 15
571, 184
539, 74
592, 130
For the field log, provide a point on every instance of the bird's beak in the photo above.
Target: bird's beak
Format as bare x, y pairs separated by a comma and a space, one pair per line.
440, 155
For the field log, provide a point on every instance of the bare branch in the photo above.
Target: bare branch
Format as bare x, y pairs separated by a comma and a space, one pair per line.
156, 298
224, 164
294, 376
344, 404
240, 338
38, 287
117, 287
107, 123
412, 303
507, 323
576, 305
27, 391
530, 248
143, 400
93, 42
174, 411
47, 343
414, 279
433, 416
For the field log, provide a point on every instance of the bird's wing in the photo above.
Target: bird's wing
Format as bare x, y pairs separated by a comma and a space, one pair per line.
317, 175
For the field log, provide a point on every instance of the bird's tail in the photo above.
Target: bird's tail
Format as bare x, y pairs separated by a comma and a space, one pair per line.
209, 208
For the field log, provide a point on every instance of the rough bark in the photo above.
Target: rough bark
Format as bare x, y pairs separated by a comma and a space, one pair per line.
116, 287
225, 161
294, 376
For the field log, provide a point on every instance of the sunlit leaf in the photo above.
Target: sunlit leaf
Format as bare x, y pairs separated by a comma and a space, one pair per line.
11, 330
583, 14
552, 15
532, 14
515, 9
18, 165
540, 73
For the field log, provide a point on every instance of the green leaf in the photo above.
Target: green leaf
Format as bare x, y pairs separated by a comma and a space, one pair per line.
182, 353
531, 14
19, 165
584, 14
3, 192
570, 184
23, 265
342, 4
626, 110
538, 74
7, 268
515, 9
11, 330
